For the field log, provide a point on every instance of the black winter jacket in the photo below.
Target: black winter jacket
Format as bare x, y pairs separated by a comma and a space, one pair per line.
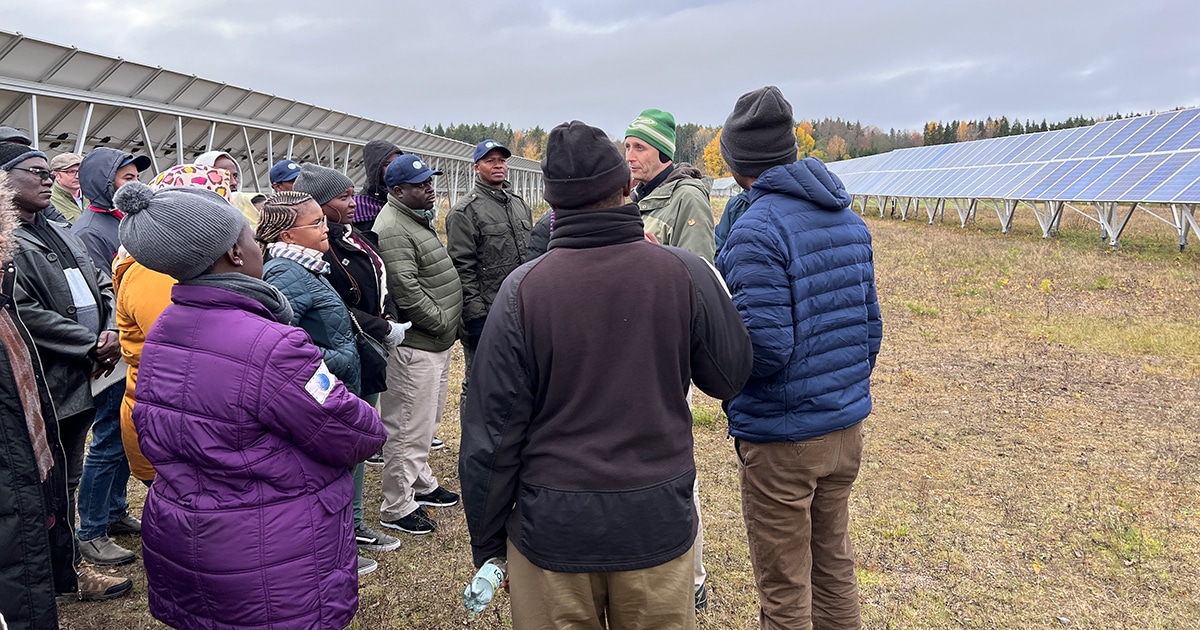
487, 236
356, 273
576, 434
42, 294
35, 562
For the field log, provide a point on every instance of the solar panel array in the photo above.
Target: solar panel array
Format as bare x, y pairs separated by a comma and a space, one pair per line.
1147, 159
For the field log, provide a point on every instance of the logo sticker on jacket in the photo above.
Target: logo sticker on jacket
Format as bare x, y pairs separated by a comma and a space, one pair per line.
321, 384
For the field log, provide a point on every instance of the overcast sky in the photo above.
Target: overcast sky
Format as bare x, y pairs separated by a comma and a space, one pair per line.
888, 63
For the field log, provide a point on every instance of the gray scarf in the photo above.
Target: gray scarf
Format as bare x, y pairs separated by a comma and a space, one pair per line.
246, 286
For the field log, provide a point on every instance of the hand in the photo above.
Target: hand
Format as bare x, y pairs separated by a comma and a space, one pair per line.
395, 335
652, 238
108, 348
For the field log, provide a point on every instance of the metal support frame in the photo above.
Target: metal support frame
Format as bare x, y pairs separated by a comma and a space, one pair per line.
81, 139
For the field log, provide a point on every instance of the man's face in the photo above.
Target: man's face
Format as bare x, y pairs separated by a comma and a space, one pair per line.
419, 196
125, 174
68, 177
234, 173
282, 186
492, 168
643, 159
31, 192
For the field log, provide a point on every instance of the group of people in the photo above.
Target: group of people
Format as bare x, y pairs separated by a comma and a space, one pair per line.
270, 345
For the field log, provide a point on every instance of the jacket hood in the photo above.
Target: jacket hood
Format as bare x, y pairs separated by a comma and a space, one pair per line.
8, 221
375, 153
807, 180
681, 173
96, 173
684, 170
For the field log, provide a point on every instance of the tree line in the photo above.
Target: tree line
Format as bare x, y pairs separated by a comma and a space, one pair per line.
830, 139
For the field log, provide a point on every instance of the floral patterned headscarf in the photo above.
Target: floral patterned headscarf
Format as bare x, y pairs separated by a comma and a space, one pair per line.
195, 176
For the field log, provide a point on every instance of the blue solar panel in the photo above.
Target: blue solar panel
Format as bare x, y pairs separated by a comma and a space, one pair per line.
1130, 128
1131, 177
1177, 183
1071, 190
1055, 188
1052, 174
1145, 158
1181, 137
1190, 195
1154, 124
1173, 163
1103, 132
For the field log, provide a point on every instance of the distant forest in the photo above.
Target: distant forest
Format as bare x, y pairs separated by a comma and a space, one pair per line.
829, 139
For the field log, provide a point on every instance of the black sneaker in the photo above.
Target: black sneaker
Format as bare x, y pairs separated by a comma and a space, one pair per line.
440, 497
371, 540
376, 459
418, 522
701, 598
436, 444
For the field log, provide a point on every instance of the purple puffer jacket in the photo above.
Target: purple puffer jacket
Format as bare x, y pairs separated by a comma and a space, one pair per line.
248, 523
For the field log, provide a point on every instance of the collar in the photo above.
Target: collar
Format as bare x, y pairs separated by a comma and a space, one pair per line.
310, 259
645, 188
580, 229
113, 211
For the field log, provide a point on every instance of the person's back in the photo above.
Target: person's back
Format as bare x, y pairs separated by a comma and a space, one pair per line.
577, 446
828, 309
800, 267
251, 436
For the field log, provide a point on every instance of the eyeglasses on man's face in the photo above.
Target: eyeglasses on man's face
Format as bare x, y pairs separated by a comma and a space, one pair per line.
44, 174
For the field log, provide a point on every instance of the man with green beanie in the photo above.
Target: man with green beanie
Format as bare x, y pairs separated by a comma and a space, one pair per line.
673, 200
673, 197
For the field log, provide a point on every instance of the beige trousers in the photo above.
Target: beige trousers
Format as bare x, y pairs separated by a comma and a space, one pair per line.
657, 598
411, 410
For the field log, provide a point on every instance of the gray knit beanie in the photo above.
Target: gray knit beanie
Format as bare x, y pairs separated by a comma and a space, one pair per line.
582, 166
177, 231
759, 133
322, 183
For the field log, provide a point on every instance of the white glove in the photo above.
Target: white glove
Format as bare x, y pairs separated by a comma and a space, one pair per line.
396, 335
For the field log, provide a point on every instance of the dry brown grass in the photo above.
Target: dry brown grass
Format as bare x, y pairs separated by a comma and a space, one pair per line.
1032, 461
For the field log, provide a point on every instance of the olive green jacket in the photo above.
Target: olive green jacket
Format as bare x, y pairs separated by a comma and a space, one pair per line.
487, 235
421, 278
677, 212
62, 199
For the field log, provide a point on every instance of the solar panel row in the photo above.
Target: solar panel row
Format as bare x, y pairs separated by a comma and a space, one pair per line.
1149, 159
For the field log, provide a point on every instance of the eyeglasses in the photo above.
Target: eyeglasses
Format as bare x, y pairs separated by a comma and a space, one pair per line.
71, 172
45, 175
322, 222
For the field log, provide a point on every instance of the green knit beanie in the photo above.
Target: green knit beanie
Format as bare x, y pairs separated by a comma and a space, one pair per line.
657, 128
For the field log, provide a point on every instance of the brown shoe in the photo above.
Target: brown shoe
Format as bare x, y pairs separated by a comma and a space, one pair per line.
97, 587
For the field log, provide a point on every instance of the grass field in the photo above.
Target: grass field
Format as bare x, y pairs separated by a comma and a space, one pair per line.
1032, 461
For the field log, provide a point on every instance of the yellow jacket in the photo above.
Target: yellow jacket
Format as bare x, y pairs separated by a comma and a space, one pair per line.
142, 295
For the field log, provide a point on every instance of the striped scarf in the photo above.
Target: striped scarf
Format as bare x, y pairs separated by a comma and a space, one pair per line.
310, 259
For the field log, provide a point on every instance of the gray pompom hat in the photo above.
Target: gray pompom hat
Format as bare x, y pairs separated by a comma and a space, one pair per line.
177, 231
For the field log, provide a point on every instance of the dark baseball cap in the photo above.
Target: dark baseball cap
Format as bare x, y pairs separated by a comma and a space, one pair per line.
407, 169
142, 162
284, 171
487, 146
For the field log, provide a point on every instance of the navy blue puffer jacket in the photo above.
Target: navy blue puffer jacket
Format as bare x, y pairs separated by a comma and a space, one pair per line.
799, 266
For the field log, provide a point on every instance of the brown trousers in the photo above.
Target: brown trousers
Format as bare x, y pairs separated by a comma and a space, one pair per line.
658, 598
795, 499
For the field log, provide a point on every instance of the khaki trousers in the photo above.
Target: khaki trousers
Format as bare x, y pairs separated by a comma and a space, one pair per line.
411, 410
658, 598
795, 499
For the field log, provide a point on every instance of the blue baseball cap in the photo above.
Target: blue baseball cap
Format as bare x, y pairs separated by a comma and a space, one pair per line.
487, 146
407, 169
284, 171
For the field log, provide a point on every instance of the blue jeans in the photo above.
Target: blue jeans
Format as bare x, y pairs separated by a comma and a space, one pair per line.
105, 469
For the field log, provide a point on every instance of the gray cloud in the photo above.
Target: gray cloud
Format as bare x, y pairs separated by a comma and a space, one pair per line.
888, 63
